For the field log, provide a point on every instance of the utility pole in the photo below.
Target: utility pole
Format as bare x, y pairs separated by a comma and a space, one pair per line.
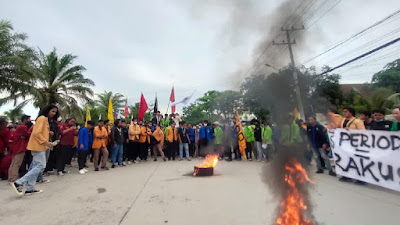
289, 43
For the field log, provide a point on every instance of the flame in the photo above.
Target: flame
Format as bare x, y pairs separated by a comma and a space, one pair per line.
293, 206
209, 161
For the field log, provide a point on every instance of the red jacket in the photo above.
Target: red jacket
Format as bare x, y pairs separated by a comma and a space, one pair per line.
4, 140
20, 140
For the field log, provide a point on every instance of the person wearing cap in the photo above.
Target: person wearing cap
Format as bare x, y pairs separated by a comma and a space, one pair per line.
20, 141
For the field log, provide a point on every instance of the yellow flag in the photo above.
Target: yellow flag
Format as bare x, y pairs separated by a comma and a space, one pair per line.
241, 140
88, 117
110, 111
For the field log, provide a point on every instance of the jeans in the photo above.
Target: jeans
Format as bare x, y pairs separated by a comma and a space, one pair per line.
116, 152
259, 150
321, 152
37, 167
186, 147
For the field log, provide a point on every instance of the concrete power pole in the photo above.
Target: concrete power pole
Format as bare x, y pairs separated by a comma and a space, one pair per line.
289, 43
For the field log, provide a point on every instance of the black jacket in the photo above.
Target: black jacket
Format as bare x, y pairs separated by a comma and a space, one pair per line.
382, 125
320, 135
117, 136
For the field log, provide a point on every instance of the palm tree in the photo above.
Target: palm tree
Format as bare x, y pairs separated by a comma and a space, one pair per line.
57, 81
15, 114
101, 103
15, 60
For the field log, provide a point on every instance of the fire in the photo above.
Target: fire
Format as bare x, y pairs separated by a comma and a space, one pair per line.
293, 206
209, 161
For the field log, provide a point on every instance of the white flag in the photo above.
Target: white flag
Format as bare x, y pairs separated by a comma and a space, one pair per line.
184, 101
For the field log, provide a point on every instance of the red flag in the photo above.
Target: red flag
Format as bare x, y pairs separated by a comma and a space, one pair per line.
172, 99
126, 113
142, 108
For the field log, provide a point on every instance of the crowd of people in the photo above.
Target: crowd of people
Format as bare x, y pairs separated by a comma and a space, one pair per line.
31, 152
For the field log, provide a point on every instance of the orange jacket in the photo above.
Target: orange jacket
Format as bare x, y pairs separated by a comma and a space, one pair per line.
99, 142
134, 132
159, 136
40, 135
172, 134
146, 132
353, 124
334, 120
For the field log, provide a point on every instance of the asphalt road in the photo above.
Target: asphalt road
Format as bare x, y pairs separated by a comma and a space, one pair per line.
166, 193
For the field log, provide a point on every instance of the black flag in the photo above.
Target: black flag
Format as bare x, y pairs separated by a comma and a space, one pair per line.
156, 105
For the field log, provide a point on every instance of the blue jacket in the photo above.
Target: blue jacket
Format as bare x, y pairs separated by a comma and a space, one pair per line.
203, 131
85, 139
191, 135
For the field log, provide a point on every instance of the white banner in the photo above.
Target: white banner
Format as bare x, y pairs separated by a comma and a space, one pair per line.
367, 155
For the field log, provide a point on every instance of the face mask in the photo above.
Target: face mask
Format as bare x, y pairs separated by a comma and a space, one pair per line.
205, 125
135, 123
378, 120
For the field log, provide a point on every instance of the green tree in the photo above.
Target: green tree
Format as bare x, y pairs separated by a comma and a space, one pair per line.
14, 115
389, 77
118, 102
228, 102
56, 80
15, 61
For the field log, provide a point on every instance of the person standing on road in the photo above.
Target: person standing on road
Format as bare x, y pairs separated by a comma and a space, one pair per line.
351, 123
117, 142
218, 137
144, 141
68, 131
318, 143
38, 143
206, 135
258, 139
379, 122
133, 147
366, 117
100, 135
84, 143
248, 132
192, 138
266, 137
20, 142
172, 137
183, 141
158, 143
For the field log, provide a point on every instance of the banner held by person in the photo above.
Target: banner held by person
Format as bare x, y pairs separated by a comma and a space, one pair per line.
370, 156
241, 140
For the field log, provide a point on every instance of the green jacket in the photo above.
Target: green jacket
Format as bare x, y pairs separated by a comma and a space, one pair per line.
267, 134
394, 126
218, 134
164, 122
290, 134
249, 133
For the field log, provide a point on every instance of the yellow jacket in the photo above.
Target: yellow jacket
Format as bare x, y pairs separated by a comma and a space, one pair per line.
172, 134
145, 134
353, 124
134, 132
99, 142
40, 135
159, 136
334, 120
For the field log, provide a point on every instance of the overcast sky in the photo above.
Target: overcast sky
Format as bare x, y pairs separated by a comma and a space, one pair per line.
147, 46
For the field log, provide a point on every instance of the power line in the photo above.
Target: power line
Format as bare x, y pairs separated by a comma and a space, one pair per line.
355, 35
361, 56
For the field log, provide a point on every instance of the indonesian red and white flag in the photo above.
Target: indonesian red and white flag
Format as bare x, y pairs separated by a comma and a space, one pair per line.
172, 100
126, 113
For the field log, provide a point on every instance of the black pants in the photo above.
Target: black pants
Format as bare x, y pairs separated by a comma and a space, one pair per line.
69, 155
144, 150
51, 162
172, 150
23, 169
228, 151
237, 152
191, 148
204, 150
61, 156
82, 155
249, 150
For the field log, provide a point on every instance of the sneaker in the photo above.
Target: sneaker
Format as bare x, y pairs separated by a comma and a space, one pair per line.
155, 160
258, 160
319, 171
60, 173
97, 169
332, 173
33, 192
123, 164
164, 159
188, 159
180, 159
85, 170
129, 162
113, 166
66, 171
81, 171
17, 188
250, 159
135, 161
69, 165
44, 181
104, 168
